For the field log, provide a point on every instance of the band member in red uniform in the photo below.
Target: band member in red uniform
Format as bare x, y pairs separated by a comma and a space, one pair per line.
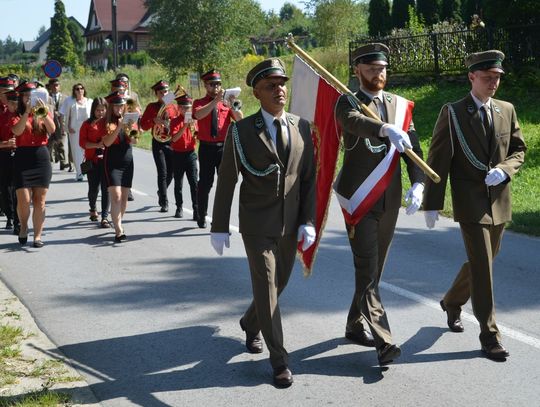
8, 202
32, 167
118, 160
161, 143
91, 140
184, 156
213, 118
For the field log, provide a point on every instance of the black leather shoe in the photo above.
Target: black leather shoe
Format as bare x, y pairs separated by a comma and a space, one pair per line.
120, 238
23, 240
164, 208
387, 353
495, 351
362, 337
9, 224
283, 377
253, 341
179, 213
202, 223
38, 244
130, 196
453, 319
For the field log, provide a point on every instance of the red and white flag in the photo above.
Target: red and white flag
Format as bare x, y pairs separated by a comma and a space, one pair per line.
356, 206
314, 99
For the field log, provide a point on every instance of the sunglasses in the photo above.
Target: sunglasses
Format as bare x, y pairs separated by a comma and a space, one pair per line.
79, 88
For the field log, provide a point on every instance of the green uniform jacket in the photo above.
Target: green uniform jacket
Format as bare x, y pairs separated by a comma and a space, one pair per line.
266, 210
472, 200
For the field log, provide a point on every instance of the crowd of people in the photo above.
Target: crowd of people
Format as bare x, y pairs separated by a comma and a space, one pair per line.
477, 143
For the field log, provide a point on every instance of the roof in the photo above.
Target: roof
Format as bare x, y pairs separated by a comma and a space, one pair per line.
130, 14
34, 46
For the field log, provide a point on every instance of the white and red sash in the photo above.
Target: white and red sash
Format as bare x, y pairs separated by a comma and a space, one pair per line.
362, 200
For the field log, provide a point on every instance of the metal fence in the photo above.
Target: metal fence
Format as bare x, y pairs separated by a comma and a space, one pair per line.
443, 53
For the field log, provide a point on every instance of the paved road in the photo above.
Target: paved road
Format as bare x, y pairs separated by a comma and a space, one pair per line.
154, 321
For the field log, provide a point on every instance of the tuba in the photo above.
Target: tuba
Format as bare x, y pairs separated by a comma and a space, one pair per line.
161, 132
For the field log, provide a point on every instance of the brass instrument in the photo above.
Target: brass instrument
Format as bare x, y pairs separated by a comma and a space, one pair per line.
161, 132
40, 110
131, 107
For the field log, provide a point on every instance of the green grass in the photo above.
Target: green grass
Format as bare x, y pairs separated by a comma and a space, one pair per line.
43, 398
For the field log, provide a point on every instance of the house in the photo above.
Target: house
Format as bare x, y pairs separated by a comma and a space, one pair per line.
132, 24
40, 45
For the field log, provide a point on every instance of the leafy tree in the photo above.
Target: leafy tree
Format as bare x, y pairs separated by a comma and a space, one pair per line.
429, 10
337, 21
415, 25
400, 12
78, 40
60, 43
451, 10
515, 12
201, 34
41, 30
471, 7
379, 17
293, 20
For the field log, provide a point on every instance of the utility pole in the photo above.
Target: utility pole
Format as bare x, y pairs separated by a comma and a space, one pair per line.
114, 35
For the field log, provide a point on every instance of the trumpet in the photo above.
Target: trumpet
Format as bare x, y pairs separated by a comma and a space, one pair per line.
131, 132
40, 110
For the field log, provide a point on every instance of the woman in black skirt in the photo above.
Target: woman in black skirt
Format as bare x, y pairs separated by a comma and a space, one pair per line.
32, 167
118, 160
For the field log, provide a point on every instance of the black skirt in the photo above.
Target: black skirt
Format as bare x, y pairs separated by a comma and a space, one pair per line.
119, 165
32, 167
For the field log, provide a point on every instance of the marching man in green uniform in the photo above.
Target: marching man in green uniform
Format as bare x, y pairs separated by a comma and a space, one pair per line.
478, 143
371, 169
273, 151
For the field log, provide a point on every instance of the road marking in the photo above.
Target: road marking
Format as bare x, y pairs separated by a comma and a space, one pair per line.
506, 331
136, 191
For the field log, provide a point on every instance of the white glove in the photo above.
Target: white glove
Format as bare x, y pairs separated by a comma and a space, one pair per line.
219, 240
397, 137
307, 234
431, 217
414, 197
495, 176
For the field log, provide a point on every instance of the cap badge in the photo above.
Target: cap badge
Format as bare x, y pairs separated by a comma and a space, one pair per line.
470, 109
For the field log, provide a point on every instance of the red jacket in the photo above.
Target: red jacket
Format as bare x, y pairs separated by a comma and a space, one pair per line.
92, 133
151, 111
28, 138
205, 124
187, 141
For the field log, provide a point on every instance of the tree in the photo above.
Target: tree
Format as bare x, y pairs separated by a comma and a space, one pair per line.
201, 34
379, 17
78, 40
516, 12
400, 12
337, 21
60, 43
451, 10
293, 20
429, 10
41, 30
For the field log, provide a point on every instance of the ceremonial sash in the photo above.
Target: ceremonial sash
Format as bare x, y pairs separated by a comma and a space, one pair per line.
362, 200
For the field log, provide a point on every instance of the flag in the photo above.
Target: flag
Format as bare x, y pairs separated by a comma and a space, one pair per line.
355, 207
314, 99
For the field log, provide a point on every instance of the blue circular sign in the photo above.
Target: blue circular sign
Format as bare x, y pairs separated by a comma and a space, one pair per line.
52, 69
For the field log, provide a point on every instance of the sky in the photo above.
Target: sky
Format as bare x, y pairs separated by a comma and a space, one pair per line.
27, 16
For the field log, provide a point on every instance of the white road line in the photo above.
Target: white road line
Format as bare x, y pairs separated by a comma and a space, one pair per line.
136, 191
509, 332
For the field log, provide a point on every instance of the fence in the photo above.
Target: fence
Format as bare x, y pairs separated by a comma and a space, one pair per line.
443, 53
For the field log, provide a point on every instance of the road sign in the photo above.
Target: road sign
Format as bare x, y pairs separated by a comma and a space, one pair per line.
52, 69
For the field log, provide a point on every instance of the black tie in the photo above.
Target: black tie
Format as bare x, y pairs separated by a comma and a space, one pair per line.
214, 123
281, 142
380, 108
486, 121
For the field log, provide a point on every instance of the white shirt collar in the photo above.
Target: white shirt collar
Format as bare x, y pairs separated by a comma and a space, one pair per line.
371, 95
479, 103
269, 119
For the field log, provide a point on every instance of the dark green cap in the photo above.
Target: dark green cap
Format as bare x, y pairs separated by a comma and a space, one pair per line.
485, 61
269, 68
370, 53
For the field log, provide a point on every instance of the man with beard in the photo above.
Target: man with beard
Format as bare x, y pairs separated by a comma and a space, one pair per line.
367, 143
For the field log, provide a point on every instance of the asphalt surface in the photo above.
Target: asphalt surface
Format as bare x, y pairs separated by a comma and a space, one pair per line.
154, 321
